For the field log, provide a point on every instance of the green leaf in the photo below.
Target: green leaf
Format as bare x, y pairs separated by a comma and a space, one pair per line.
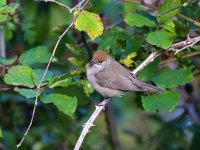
2, 18
28, 93
169, 25
79, 59
1, 135
146, 73
7, 61
168, 5
173, 78
134, 19
29, 33
90, 23
168, 101
64, 103
39, 54
88, 89
8, 30
38, 74
19, 75
161, 39
60, 81
2, 2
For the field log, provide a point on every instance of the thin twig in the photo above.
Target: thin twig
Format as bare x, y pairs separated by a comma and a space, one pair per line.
90, 122
48, 65
2, 44
184, 56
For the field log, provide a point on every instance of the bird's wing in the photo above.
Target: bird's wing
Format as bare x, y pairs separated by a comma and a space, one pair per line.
113, 80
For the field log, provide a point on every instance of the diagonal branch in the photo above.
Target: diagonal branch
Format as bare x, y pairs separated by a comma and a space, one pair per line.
80, 6
189, 42
101, 106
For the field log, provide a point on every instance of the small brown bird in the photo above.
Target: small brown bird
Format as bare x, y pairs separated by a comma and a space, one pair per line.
111, 79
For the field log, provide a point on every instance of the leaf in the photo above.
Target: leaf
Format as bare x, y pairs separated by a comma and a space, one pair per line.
39, 54
28, 93
90, 23
134, 19
167, 6
2, 2
2, 18
29, 33
169, 25
146, 73
128, 61
19, 75
1, 135
64, 103
79, 59
8, 30
60, 81
88, 89
168, 101
173, 78
38, 74
7, 61
161, 39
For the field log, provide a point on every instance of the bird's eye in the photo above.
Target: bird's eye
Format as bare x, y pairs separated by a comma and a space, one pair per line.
100, 62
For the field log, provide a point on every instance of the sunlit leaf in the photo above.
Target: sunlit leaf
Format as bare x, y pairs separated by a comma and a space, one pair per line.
39, 54
19, 75
60, 81
88, 89
7, 61
134, 19
90, 23
2, 2
167, 101
128, 61
161, 39
64, 103
170, 26
173, 78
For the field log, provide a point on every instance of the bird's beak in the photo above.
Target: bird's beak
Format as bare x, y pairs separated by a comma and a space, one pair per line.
91, 63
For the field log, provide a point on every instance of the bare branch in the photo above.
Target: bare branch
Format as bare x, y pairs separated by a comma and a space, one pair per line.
80, 6
90, 122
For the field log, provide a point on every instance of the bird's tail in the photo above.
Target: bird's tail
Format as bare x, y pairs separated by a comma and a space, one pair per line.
153, 89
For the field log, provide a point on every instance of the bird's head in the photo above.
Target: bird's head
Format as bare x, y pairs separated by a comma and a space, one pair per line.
99, 60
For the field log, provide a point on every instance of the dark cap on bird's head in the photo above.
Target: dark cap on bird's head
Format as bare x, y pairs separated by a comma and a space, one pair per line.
98, 57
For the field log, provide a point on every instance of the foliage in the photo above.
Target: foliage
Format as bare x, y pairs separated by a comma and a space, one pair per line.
31, 30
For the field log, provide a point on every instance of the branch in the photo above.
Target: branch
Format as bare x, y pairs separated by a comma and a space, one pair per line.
90, 122
184, 56
189, 42
79, 6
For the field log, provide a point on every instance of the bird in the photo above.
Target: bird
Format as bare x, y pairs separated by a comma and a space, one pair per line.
109, 78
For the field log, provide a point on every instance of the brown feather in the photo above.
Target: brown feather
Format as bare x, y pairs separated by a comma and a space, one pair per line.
100, 56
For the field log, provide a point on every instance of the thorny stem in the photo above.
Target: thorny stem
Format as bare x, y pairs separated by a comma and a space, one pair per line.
80, 7
89, 123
